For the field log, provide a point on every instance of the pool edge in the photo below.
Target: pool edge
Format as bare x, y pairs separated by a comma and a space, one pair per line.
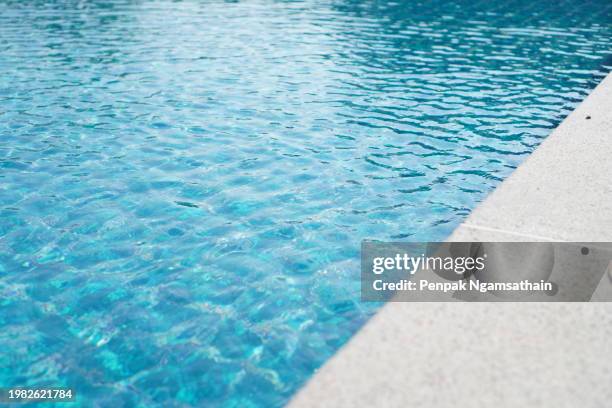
469, 354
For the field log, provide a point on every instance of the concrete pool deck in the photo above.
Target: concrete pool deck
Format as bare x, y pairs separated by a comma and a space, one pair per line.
499, 354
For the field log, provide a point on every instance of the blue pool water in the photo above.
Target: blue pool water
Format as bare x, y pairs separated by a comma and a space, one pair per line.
184, 184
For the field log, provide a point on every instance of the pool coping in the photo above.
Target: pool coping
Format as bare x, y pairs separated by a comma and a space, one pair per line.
502, 354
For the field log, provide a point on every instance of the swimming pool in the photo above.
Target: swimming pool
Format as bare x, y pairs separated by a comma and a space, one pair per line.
184, 184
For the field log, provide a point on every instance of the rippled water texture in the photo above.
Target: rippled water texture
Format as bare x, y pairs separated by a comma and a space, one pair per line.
184, 184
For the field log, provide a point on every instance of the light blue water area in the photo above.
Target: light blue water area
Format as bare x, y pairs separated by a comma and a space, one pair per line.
184, 185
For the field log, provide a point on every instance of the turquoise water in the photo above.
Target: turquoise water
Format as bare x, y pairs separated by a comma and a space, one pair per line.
184, 184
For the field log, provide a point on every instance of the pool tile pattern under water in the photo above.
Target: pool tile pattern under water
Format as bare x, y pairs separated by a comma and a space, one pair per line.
184, 185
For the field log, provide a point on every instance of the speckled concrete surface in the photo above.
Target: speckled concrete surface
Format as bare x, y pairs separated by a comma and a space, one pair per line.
500, 354
472, 355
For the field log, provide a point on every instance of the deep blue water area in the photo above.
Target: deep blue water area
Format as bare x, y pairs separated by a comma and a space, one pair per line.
184, 185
